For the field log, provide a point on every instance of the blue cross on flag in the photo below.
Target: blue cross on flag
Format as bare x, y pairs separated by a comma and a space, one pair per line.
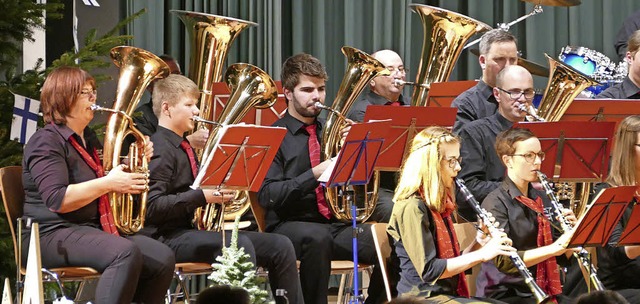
25, 118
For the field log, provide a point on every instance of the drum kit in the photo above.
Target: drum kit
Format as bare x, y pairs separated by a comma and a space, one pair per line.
589, 62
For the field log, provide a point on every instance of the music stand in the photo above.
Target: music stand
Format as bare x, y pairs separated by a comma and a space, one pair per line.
406, 122
442, 94
241, 157
575, 151
601, 110
630, 235
354, 166
601, 216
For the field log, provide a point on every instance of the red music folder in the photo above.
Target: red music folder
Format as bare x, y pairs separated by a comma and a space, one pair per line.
355, 161
442, 94
241, 157
575, 151
613, 110
601, 217
406, 122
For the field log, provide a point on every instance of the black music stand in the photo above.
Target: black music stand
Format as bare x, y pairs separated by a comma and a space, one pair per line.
601, 216
354, 166
406, 122
576, 151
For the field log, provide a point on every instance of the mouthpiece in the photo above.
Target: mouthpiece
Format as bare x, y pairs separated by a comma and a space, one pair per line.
95, 107
202, 120
531, 112
399, 82
319, 105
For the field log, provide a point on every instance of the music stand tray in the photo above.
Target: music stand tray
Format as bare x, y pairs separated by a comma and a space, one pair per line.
241, 157
442, 94
601, 217
406, 122
575, 151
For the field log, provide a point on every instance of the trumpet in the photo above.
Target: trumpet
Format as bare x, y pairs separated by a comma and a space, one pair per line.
582, 255
530, 111
538, 293
399, 82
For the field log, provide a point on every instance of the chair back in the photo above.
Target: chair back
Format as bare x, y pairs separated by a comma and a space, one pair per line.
383, 249
13, 199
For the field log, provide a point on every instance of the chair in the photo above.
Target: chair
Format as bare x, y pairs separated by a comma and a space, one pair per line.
383, 249
183, 273
343, 268
13, 199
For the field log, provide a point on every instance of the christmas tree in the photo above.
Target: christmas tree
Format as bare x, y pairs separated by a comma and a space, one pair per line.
236, 270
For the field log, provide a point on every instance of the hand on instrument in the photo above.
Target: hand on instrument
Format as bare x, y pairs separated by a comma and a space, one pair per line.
560, 245
124, 182
219, 196
570, 216
319, 169
483, 236
148, 148
497, 245
345, 130
198, 139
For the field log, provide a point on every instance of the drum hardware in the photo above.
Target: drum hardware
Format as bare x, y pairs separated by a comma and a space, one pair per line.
595, 65
537, 9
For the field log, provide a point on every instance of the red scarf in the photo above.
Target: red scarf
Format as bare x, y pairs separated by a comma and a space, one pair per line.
447, 241
547, 276
106, 217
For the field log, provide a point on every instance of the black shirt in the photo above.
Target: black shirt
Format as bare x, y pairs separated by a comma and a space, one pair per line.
370, 98
482, 170
474, 103
50, 164
520, 223
624, 90
288, 190
171, 202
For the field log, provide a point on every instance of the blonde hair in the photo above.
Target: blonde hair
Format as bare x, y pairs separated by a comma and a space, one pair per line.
421, 170
171, 89
623, 157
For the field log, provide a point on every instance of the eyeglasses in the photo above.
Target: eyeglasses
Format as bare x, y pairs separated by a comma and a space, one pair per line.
453, 161
89, 93
531, 157
516, 94
400, 70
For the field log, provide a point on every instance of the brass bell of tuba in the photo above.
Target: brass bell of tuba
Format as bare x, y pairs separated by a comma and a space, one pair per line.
361, 68
250, 87
565, 83
445, 34
211, 37
137, 69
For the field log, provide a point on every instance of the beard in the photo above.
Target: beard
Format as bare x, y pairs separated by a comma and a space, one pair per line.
305, 111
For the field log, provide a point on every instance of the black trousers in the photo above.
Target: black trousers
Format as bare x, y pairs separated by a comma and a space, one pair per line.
316, 244
272, 251
134, 268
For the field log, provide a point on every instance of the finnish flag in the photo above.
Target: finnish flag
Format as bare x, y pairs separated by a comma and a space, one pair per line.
25, 118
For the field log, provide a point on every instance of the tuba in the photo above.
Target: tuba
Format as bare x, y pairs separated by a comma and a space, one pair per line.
137, 69
361, 68
565, 83
250, 87
445, 33
211, 37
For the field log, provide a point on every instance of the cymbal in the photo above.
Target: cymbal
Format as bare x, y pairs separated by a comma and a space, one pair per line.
555, 2
532, 67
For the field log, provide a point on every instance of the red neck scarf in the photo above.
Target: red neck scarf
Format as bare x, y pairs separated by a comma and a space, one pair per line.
447, 241
106, 217
547, 276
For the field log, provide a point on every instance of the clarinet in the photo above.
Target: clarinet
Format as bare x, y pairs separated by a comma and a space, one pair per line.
538, 293
582, 256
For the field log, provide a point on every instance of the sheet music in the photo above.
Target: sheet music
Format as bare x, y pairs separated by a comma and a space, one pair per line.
324, 177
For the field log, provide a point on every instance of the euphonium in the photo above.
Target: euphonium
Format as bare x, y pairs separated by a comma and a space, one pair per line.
361, 68
517, 261
565, 83
445, 34
583, 255
211, 37
250, 87
137, 69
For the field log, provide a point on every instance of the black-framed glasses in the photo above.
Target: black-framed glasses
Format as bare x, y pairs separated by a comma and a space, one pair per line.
89, 93
516, 94
531, 156
452, 161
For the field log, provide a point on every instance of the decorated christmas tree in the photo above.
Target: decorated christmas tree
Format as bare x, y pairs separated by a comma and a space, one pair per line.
233, 268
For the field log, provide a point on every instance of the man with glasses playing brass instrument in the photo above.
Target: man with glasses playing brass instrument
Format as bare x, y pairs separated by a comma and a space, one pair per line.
172, 202
295, 202
482, 170
498, 49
